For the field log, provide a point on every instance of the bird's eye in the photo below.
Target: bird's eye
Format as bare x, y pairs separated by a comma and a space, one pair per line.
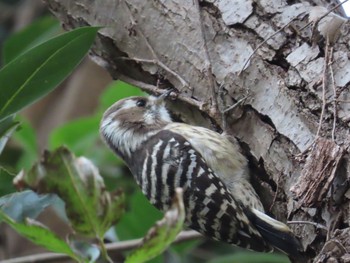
141, 103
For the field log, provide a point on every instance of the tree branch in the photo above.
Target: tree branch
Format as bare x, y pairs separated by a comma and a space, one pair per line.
117, 246
155, 90
155, 59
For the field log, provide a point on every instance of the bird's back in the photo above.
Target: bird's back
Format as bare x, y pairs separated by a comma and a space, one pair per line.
166, 161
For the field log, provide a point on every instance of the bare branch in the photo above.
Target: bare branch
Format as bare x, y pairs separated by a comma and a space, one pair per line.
155, 59
118, 246
326, 14
241, 101
335, 112
282, 28
262, 43
324, 86
155, 90
308, 223
163, 66
209, 71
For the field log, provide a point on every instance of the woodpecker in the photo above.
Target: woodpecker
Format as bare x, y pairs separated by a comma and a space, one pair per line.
162, 155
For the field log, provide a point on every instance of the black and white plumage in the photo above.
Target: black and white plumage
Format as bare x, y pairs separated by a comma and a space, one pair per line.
219, 200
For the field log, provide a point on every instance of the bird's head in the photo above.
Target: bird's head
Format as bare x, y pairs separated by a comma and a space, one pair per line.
129, 122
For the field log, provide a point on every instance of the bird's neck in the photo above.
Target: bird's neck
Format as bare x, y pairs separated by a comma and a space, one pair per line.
128, 140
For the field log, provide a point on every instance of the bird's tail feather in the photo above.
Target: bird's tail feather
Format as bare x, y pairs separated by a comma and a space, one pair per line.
276, 233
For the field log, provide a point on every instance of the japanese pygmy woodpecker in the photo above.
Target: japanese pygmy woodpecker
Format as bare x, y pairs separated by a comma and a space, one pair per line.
162, 155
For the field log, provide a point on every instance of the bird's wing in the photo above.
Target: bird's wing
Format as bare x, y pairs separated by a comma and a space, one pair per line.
214, 148
223, 156
171, 161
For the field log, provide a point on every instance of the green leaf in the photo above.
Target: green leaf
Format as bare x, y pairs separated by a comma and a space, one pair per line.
34, 34
82, 137
40, 235
22, 205
90, 208
25, 136
184, 249
6, 185
79, 135
129, 226
7, 127
38, 71
116, 91
163, 233
251, 257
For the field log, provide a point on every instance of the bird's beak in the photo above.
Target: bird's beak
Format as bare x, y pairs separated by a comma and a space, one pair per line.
160, 99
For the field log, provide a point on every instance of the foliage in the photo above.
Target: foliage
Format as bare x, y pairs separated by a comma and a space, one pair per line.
33, 68
35, 73
40, 235
82, 190
6, 186
19, 210
7, 127
90, 208
31, 36
163, 233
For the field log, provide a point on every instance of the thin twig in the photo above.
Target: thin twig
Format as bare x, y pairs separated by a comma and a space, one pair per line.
208, 71
227, 110
335, 113
155, 59
42, 257
155, 90
142, 85
131, 244
235, 105
103, 250
282, 28
326, 14
324, 85
262, 43
308, 223
343, 101
163, 66
276, 193
115, 247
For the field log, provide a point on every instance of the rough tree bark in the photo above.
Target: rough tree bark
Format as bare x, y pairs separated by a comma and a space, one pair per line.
294, 119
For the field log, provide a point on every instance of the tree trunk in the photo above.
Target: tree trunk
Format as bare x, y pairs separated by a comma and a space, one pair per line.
294, 80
